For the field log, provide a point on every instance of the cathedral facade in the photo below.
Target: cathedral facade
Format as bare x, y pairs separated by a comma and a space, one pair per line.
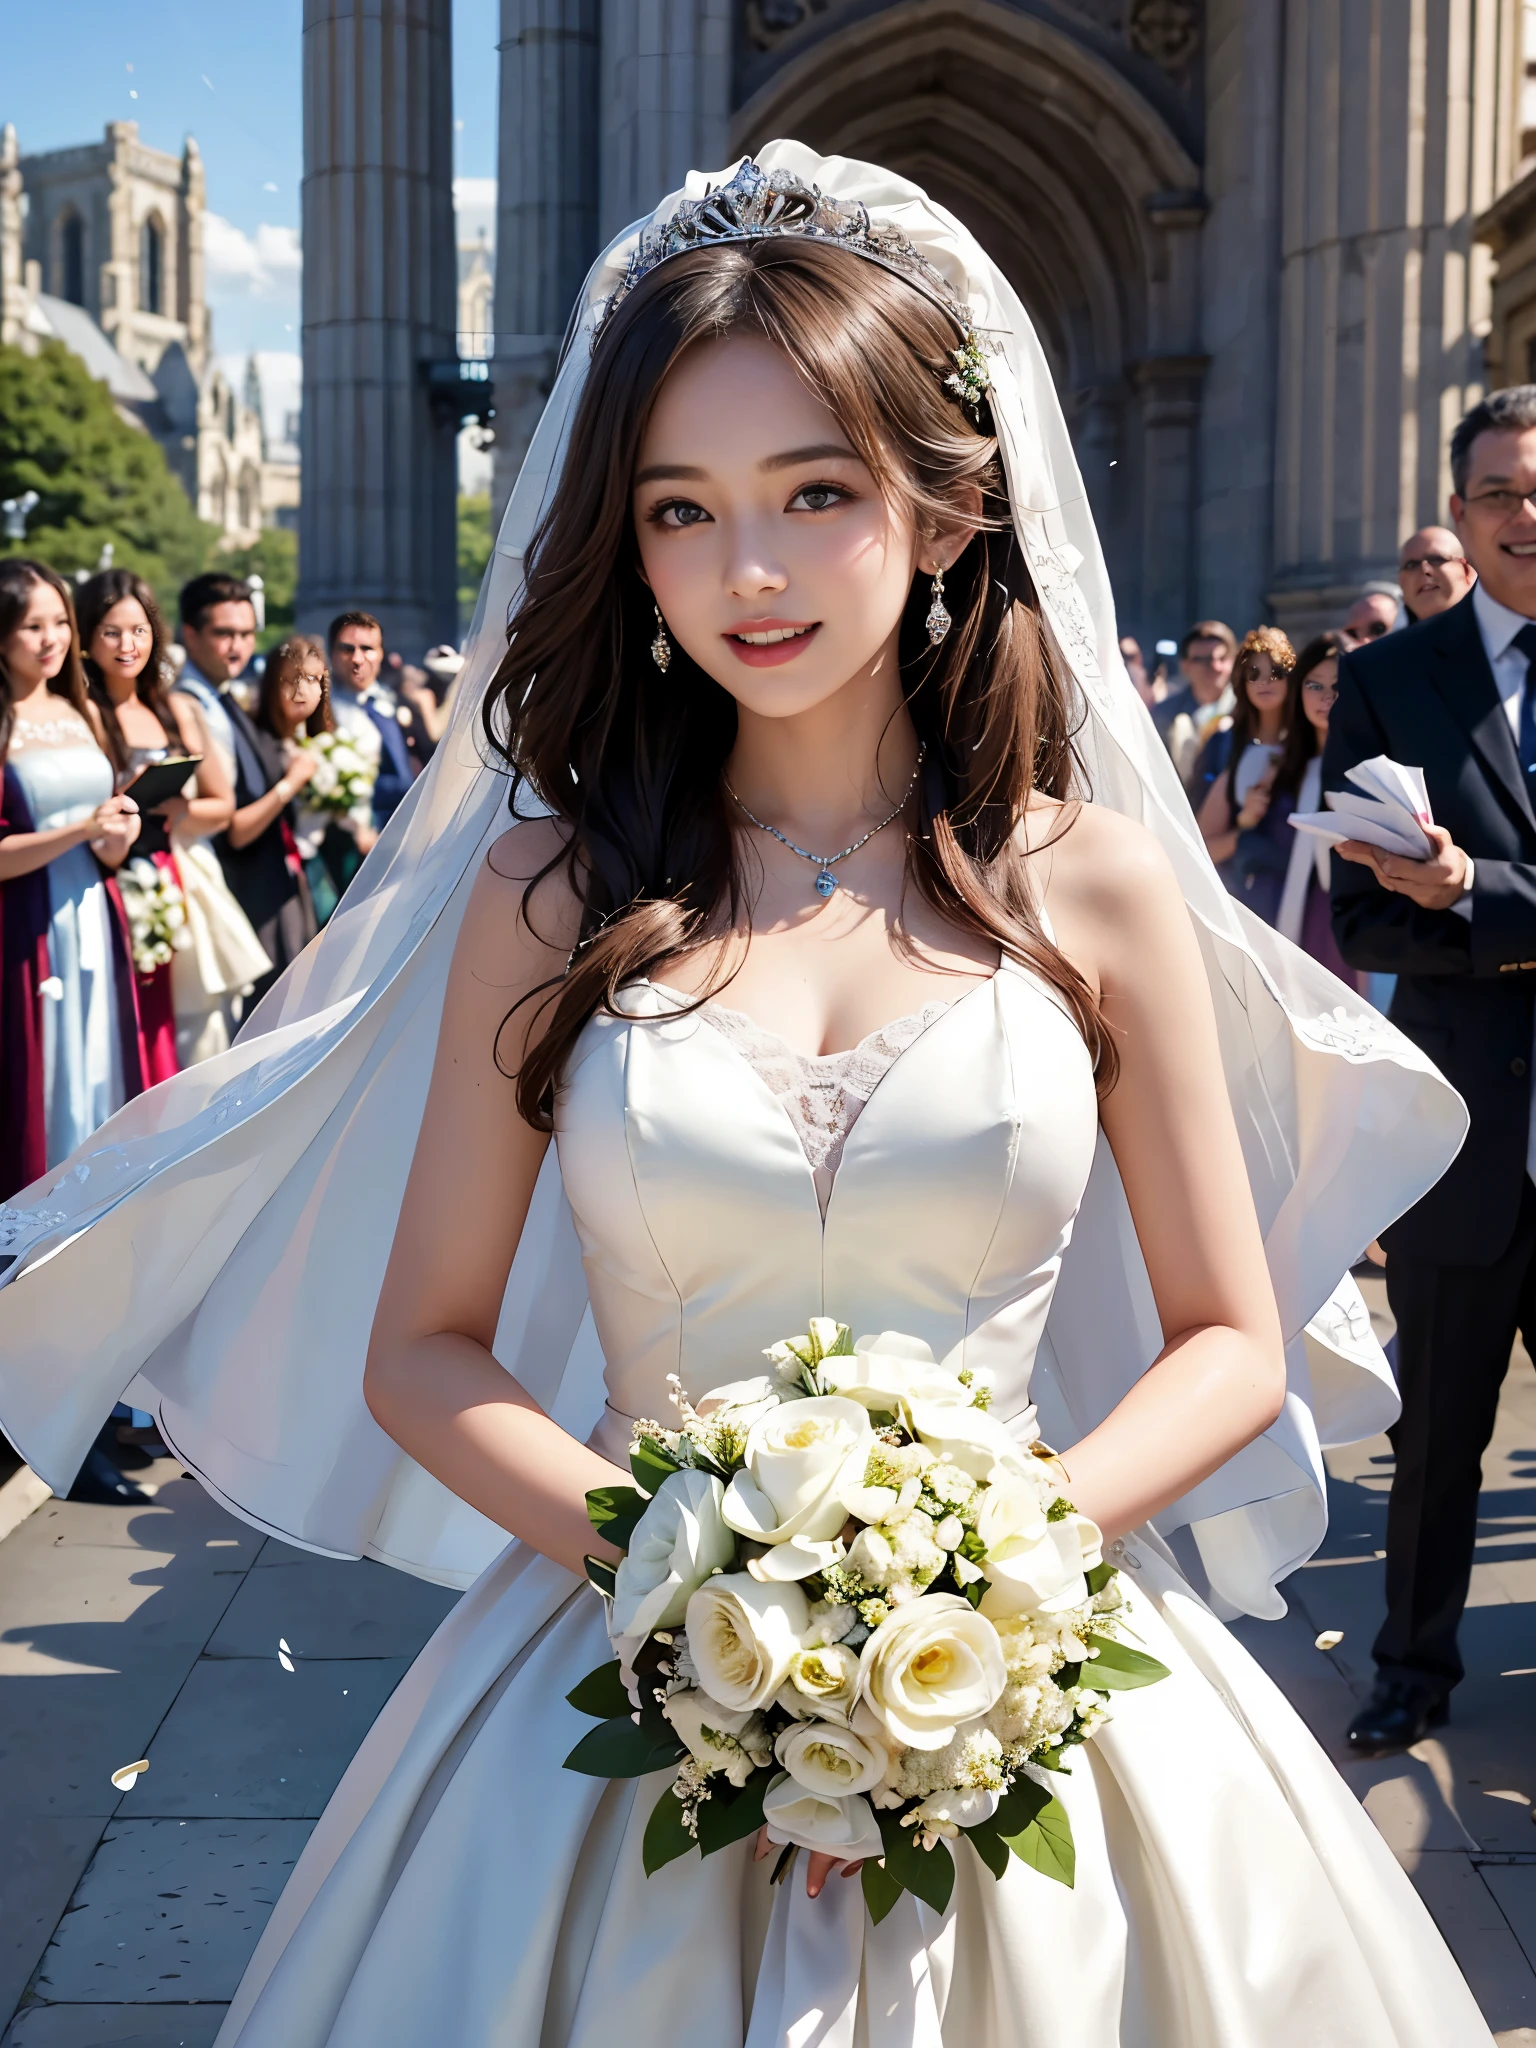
1247, 231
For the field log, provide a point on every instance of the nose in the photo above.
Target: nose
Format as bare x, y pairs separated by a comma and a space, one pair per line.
752, 570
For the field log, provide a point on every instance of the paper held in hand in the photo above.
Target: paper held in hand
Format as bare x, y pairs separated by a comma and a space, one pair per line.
1391, 812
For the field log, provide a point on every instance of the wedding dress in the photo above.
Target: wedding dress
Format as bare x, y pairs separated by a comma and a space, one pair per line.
463, 1887
216, 1252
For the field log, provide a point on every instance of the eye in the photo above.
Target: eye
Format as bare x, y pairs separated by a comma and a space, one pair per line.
676, 513
819, 497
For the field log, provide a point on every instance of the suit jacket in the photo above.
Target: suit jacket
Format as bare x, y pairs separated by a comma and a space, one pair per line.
1466, 990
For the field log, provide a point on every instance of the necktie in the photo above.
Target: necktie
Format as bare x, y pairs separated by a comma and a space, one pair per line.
1525, 640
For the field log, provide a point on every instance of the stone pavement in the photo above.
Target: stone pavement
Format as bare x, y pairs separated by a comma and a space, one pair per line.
125, 1919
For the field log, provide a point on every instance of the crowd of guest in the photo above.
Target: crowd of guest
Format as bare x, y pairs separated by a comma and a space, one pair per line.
164, 853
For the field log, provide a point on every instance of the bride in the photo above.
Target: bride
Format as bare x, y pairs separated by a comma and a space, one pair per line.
838, 995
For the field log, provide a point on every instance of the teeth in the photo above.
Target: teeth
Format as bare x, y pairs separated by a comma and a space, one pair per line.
771, 637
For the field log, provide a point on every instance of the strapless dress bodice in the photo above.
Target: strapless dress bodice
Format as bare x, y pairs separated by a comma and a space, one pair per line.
696, 1206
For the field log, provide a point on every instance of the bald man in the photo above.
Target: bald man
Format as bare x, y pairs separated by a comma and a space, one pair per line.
1433, 572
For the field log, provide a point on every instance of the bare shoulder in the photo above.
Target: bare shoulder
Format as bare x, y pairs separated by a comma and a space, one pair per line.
1096, 863
523, 915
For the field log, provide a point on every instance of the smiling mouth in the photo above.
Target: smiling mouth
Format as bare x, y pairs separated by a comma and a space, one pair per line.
1520, 547
770, 636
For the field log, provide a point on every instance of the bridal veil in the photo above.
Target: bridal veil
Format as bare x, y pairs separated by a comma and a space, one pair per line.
218, 1246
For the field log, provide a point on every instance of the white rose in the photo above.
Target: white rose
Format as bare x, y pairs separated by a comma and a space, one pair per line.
886, 1372
830, 1760
932, 1665
1044, 1573
741, 1636
822, 1680
962, 1806
678, 1541
801, 1458
971, 1438
717, 1737
837, 1827
743, 1402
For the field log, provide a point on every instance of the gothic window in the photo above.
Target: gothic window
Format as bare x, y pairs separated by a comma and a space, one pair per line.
151, 266
72, 258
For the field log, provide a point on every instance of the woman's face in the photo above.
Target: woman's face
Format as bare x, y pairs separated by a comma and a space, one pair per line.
1318, 693
775, 561
120, 644
1266, 688
299, 693
36, 650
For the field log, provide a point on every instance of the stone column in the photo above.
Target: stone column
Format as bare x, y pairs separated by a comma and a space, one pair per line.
666, 100
377, 519
1397, 133
191, 305
546, 208
13, 302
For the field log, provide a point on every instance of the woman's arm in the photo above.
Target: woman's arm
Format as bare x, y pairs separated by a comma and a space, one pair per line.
212, 808
1215, 820
431, 1379
252, 819
1219, 1380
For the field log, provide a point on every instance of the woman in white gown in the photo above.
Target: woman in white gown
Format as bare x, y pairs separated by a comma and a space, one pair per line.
806, 798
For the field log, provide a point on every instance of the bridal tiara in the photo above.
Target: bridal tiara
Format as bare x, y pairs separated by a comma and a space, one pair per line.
756, 205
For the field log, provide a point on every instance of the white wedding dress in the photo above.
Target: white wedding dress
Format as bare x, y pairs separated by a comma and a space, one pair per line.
464, 1888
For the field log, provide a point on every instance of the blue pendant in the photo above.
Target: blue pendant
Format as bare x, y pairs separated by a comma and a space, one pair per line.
826, 882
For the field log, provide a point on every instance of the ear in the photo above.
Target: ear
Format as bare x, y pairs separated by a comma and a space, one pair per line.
942, 548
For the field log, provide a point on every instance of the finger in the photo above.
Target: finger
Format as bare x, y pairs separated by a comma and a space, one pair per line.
818, 1870
761, 1846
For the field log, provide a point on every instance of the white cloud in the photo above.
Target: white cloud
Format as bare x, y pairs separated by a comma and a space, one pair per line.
267, 262
474, 201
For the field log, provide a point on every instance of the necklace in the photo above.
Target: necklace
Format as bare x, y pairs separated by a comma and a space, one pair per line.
826, 881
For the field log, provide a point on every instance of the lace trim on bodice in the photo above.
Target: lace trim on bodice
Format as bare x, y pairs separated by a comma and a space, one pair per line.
822, 1093
68, 731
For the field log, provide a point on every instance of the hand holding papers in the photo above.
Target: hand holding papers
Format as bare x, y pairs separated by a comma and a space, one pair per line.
1391, 813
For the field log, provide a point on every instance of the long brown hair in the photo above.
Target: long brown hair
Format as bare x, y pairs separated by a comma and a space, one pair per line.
1302, 739
291, 653
1245, 719
19, 577
151, 685
630, 760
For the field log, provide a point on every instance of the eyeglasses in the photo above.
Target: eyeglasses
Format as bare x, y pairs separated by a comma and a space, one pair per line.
1503, 502
116, 635
1374, 630
306, 676
1415, 563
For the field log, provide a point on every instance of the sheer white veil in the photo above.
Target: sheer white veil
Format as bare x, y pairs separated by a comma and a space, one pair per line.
220, 1243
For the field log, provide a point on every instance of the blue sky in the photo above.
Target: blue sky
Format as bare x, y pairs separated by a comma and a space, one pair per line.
230, 75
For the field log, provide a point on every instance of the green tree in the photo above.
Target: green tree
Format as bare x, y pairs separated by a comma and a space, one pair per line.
275, 559
474, 550
98, 479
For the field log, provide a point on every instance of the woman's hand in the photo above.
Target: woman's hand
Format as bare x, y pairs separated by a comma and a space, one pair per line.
300, 770
173, 811
114, 827
1256, 803
817, 1870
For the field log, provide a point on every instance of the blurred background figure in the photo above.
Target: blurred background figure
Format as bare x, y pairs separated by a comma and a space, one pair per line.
1302, 911
123, 638
1373, 613
1432, 572
218, 637
1237, 771
1190, 712
1136, 669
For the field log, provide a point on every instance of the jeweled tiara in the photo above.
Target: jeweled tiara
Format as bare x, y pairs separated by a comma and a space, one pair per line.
756, 204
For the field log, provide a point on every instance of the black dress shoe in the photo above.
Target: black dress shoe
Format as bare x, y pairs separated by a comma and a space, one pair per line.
101, 1484
1396, 1716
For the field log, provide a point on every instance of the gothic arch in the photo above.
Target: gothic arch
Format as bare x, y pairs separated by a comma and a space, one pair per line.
152, 264
1081, 192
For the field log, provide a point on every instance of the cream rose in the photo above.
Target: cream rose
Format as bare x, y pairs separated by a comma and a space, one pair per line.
830, 1760
717, 1737
886, 1372
930, 1667
742, 1402
741, 1636
843, 1827
678, 1541
822, 1680
962, 1806
1041, 1573
972, 1439
800, 1459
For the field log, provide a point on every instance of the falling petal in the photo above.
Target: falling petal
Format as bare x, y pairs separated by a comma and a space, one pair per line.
124, 1778
282, 1644
1330, 1639
285, 1660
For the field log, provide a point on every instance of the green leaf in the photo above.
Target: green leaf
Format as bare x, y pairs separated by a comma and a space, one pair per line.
665, 1836
603, 1576
929, 1874
881, 1890
601, 1694
620, 1749
1018, 1806
977, 1591
651, 1462
613, 1512
1118, 1667
1046, 1843
1100, 1577
843, 1347
728, 1815
989, 1845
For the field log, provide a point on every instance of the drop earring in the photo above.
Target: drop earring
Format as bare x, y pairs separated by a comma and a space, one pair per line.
939, 621
661, 646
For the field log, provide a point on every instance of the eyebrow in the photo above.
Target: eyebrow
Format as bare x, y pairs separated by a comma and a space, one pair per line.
682, 472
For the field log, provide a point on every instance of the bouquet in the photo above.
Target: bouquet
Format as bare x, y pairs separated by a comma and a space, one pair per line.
855, 1609
343, 781
156, 911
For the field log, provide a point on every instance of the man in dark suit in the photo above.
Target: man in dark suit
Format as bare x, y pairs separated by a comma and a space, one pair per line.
1455, 696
